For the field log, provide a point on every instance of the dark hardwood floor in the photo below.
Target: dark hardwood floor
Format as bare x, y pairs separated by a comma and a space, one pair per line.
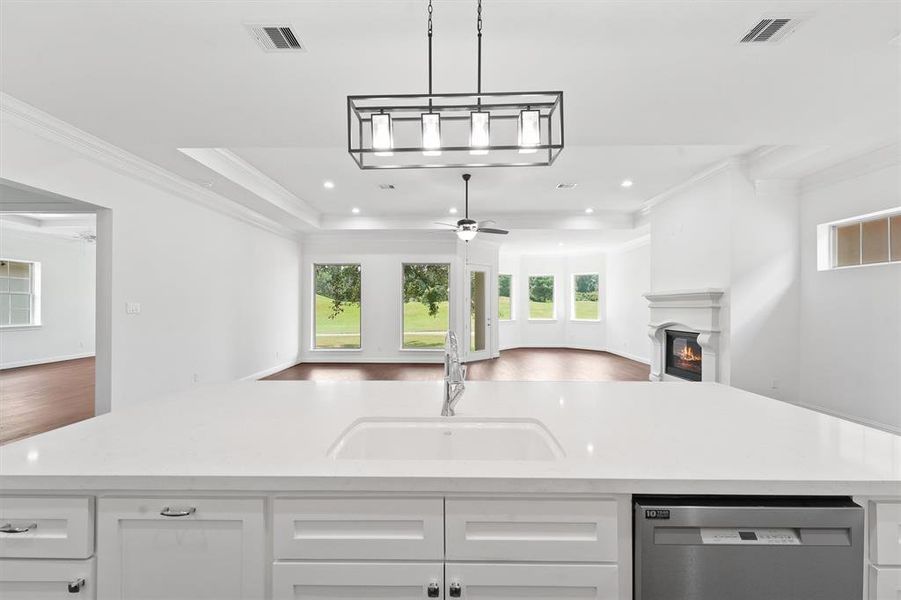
43, 397
521, 364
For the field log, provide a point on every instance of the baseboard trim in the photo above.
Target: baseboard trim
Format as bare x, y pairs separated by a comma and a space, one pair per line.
270, 371
353, 358
847, 417
634, 357
43, 361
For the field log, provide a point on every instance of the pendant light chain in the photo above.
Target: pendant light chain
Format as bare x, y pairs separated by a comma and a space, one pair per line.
430, 50
479, 30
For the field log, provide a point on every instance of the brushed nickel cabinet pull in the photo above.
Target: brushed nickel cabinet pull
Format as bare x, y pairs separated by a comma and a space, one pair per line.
9, 528
168, 512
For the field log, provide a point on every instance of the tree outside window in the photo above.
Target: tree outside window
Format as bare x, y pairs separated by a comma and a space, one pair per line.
337, 307
425, 296
541, 297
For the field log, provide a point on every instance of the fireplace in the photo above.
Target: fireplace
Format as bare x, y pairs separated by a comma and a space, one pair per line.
683, 355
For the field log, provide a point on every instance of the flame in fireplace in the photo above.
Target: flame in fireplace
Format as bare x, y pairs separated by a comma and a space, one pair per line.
687, 353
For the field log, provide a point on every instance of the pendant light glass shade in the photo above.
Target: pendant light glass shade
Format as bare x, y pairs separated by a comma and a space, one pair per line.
479, 132
529, 131
382, 135
431, 134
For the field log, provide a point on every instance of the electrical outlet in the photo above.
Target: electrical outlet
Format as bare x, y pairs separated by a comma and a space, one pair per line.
196, 378
276, 354
774, 385
132, 308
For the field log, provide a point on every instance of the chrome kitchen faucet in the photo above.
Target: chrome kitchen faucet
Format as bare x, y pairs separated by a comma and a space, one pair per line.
454, 375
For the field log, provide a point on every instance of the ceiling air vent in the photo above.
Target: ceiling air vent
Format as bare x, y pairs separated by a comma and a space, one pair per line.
566, 186
770, 30
276, 38
386, 186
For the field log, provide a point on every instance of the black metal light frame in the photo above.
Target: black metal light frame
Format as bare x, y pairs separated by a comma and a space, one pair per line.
454, 109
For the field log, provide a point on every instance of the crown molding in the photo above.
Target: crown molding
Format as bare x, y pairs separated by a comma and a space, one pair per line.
29, 118
883, 157
231, 166
692, 181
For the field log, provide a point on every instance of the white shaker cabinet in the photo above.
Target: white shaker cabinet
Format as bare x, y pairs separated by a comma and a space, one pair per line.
357, 581
484, 581
180, 548
47, 579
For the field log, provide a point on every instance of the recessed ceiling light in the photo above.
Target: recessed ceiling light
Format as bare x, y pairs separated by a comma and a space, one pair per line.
589, 211
328, 184
453, 210
627, 183
560, 244
566, 186
355, 210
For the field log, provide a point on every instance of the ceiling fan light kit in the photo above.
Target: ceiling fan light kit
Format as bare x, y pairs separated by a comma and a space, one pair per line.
453, 130
466, 228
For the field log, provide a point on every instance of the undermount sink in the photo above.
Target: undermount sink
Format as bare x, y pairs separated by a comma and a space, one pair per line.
443, 438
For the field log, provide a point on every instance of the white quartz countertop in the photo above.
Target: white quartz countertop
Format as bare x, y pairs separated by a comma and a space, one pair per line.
619, 437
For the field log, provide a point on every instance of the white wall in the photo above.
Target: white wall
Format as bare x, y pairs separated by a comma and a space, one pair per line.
219, 296
381, 256
850, 342
67, 298
561, 332
628, 278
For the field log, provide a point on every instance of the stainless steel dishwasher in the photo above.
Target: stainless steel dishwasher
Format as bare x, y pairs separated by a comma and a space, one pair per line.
747, 548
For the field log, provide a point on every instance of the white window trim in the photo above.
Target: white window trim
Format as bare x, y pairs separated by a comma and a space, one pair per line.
313, 347
35, 294
827, 240
450, 279
529, 296
512, 309
572, 304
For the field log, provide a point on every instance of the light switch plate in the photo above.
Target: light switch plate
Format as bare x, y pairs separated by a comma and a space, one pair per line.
133, 308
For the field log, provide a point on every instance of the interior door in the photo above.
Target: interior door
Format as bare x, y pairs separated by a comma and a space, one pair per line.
480, 319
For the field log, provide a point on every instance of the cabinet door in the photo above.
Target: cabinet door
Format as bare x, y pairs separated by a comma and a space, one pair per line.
357, 581
885, 583
481, 581
47, 579
180, 548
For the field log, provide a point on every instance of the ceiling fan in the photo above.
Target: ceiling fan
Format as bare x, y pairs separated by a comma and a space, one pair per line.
466, 228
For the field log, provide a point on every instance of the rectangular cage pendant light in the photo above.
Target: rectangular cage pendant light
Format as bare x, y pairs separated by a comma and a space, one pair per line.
416, 131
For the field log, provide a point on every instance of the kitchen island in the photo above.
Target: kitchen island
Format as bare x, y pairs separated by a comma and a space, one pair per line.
248, 490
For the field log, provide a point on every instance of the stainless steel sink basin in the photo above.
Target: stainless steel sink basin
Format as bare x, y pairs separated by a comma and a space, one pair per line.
446, 438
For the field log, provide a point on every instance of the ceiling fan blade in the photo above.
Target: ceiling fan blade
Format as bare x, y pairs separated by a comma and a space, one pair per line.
492, 230
445, 224
488, 222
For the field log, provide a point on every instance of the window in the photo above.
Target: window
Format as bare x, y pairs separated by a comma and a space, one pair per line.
505, 297
866, 241
541, 297
336, 311
425, 310
19, 285
585, 297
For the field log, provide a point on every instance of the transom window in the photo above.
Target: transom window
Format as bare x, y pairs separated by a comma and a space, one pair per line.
866, 241
19, 289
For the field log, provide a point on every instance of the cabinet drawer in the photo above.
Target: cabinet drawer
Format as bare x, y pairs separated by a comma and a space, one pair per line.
358, 528
47, 579
885, 583
532, 530
360, 581
49, 527
885, 533
536, 582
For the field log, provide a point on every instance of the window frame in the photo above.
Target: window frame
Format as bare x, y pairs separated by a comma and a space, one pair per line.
33, 293
450, 280
831, 262
512, 311
572, 306
313, 346
529, 296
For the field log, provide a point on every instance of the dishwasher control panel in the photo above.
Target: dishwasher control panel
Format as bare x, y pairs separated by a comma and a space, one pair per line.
750, 536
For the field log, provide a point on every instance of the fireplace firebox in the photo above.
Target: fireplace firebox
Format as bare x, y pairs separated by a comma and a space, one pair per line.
683, 355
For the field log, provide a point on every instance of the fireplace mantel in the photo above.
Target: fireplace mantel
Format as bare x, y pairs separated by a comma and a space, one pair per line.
697, 311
